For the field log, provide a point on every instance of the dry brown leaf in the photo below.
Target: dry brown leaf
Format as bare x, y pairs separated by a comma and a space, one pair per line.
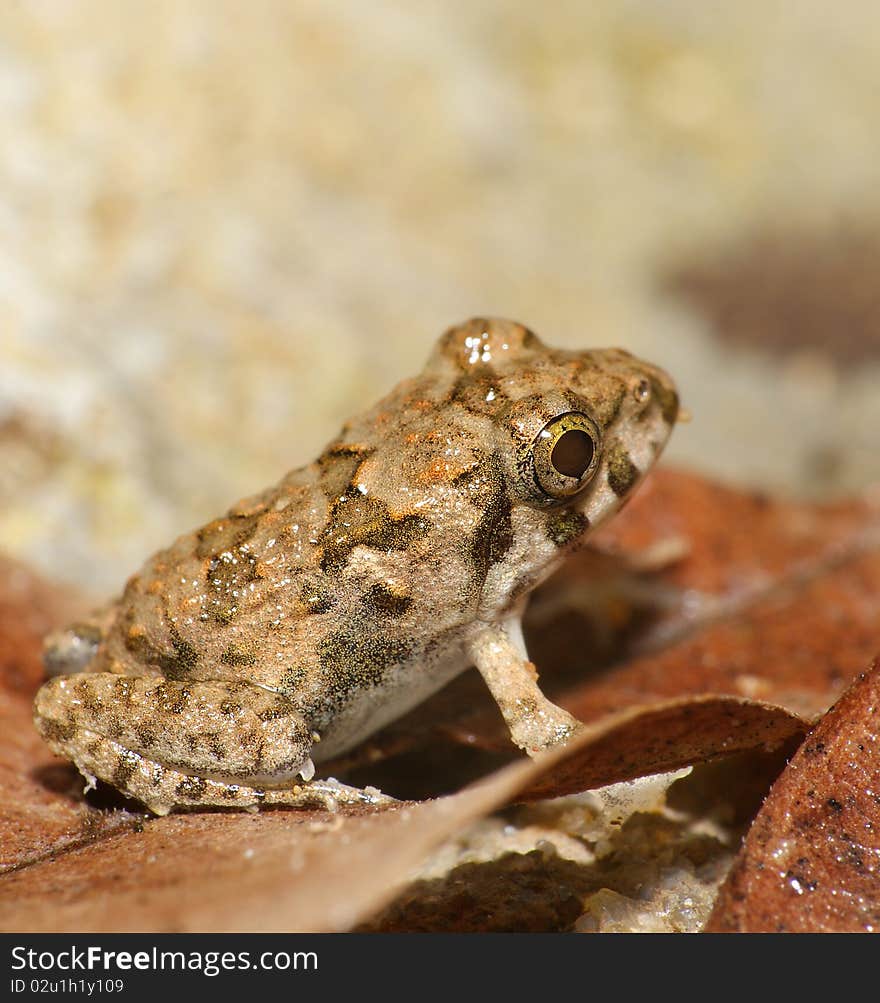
296, 871
811, 860
663, 737
210, 872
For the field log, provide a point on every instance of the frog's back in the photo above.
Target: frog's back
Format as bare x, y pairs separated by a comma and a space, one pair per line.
341, 575
190, 612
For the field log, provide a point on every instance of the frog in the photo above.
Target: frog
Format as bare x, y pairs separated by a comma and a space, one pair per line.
292, 628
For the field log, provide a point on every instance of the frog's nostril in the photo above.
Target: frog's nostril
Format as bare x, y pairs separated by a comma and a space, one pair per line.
642, 390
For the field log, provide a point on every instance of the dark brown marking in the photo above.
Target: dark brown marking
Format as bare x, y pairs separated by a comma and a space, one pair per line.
226, 534
123, 690
176, 664
191, 787
566, 524
139, 645
181, 664
530, 340
171, 699
337, 469
281, 707
606, 410
85, 693
56, 731
622, 472
215, 745
250, 740
113, 727
349, 448
238, 655
291, 681
360, 520
493, 536
382, 600
486, 487
352, 658
126, 765
668, 399
146, 737
317, 598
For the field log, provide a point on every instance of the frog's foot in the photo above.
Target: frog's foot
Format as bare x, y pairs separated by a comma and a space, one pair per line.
535, 723
535, 729
163, 789
73, 648
171, 744
329, 794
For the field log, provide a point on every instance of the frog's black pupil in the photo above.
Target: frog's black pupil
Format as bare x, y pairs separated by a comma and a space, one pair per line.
573, 453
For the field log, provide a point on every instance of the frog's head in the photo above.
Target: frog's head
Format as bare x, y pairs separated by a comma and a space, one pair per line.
575, 431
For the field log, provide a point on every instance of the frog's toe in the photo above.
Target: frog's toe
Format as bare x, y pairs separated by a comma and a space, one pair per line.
70, 650
328, 794
73, 648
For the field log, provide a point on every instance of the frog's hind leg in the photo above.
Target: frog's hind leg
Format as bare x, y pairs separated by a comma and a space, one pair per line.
172, 744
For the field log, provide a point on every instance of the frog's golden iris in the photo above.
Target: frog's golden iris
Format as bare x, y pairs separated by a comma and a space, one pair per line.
566, 454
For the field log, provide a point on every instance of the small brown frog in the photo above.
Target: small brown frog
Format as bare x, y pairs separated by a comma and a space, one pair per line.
312, 614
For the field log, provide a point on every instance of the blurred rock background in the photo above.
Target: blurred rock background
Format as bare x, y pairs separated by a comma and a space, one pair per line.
224, 226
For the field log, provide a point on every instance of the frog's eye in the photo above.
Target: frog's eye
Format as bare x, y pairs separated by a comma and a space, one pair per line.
566, 453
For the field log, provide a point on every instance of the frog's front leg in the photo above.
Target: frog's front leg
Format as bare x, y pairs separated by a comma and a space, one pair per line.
535, 723
177, 744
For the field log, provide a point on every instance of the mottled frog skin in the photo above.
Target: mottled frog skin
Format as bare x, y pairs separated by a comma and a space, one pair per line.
310, 615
